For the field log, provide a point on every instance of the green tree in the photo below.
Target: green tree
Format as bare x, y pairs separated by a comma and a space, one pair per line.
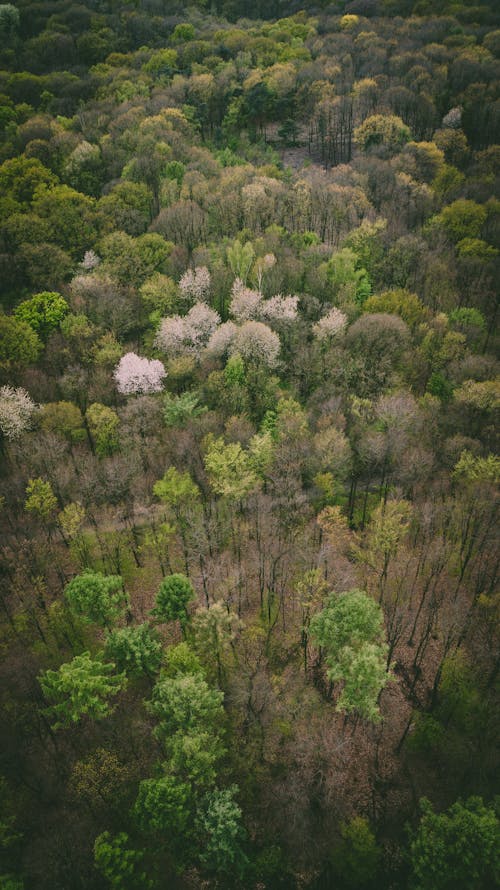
230, 469
350, 631
136, 650
460, 220
240, 258
63, 419
103, 424
43, 312
186, 704
221, 832
173, 598
80, 687
98, 598
164, 807
176, 488
119, 864
357, 858
40, 499
458, 849
20, 346
387, 130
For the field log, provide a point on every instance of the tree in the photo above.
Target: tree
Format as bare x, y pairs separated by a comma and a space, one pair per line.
240, 258
119, 864
219, 825
134, 374
98, 598
173, 598
40, 499
185, 704
103, 426
164, 808
43, 312
350, 630
178, 410
136, 650
357, 857
176, 488
64, 419
458, 849
19, 344
257, 344
229, 469
16, 411
460, 219
80, 687
386, 130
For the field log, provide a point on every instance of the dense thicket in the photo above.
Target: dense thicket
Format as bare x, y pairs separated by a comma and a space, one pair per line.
249, 397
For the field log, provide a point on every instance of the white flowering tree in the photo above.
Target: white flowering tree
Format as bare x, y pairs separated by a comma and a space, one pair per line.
189, 334
256, 343
195, 284
134, 374
280, 308
331, 325
245, 302
219, 344
16, 411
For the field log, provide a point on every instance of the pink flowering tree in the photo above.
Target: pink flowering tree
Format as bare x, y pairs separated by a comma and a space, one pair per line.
195, 284
134, 374
187, 335
16, 411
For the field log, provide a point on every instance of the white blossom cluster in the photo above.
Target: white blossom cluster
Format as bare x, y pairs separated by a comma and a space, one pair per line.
16, 411
134, 374
332, 324
245, 302
195, 284
90, 261
188, 334
280, 308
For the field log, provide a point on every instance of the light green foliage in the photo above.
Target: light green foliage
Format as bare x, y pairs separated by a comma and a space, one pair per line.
214, 629
234, 372
179, 410
347, 280
229, 469
399, 302
477, 249
219, 823
160, 294
119, 864
194, 756
176, 489
382, 129
350, 630
458, 849
461, 219
357, 857
164, 807
162, 63
103, 425
64, 419
483, 395
181, 660
240, 258
43, 312
40, 499
71, 519
470, 321
107, 351
96, 597
80, 687
477, 469
20, 177
136, 650
19, 344
9, 20
173, 597
185, 704
367, 243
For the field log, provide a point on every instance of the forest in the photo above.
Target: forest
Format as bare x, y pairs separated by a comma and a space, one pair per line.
249, 467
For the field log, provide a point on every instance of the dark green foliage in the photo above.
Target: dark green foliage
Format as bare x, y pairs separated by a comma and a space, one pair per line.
173, 598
